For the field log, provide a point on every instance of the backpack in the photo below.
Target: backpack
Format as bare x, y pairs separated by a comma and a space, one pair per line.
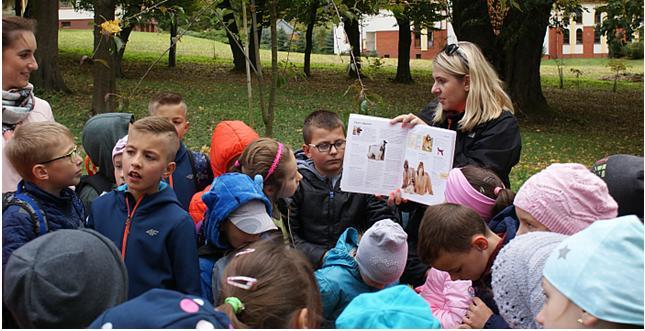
25, 202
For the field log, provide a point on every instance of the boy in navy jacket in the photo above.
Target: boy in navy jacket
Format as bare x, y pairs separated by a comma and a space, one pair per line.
193, 169
144, 218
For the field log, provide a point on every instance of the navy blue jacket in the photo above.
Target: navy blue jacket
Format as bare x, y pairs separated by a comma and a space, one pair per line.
183, 182
161, 250
64, 212
505, 223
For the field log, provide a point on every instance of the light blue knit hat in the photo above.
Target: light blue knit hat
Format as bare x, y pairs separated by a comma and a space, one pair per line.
600, 269
397, 307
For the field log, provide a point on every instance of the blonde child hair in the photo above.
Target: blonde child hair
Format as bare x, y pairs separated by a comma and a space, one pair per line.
34, 143
486, 99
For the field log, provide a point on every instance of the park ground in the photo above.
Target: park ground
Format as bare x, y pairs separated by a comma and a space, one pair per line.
586, 122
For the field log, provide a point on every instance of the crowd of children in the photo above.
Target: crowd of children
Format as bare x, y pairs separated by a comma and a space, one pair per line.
262, 236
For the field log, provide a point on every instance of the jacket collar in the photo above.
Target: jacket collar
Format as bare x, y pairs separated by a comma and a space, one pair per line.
66, 194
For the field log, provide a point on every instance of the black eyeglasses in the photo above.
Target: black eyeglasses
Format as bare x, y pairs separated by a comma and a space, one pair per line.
73, 153
326, 147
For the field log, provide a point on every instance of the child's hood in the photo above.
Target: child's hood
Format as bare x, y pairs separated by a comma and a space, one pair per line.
307, 164
228, 141
342, 254
152, 202
100, 134
228, 192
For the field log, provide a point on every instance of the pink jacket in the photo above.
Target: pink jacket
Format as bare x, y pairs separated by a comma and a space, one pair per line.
42, 112
449, 300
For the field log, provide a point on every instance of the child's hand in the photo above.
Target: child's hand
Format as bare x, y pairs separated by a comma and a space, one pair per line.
477, 315
407, 120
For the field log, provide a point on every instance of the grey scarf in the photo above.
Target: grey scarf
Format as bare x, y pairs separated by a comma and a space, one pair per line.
16, 106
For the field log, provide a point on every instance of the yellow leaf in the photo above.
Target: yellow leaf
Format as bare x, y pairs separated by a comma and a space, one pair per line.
111, 27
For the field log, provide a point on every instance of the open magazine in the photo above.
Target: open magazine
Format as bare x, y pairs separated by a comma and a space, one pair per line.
380, 158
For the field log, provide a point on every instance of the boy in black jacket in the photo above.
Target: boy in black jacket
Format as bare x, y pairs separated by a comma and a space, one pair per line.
319, 211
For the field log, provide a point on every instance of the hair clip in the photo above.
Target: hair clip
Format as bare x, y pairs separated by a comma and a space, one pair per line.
245, 251
235, 303
497, 190
243, 282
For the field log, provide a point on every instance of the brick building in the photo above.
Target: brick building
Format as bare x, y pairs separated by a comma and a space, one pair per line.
379, 37
68, 18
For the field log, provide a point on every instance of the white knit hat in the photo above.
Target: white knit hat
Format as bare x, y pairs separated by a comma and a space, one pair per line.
517, 277
382, 252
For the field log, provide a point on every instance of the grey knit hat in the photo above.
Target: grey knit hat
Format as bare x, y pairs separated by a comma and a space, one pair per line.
64, 279
517, 277
382, 252
624, 177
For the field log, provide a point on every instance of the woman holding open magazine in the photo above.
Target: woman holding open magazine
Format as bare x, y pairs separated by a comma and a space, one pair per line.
471, 101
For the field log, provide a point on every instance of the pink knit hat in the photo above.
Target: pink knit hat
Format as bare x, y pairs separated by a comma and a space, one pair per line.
566, 198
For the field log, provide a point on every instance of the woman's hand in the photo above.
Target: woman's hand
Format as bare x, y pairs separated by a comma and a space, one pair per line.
395, 198
407, 120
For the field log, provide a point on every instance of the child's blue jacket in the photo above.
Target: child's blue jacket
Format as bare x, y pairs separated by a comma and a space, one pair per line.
161, 247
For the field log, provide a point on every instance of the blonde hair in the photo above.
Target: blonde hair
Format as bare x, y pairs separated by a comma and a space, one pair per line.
159, 126
285, 285
34, 143
486, 98
257, 158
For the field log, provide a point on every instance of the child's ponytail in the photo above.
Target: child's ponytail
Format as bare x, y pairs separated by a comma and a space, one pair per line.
486, 182
504, 198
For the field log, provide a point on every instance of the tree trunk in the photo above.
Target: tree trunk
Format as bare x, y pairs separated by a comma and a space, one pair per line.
309, 36
48, 75
257, 13
124, 35
268, 119
516, 53
354, 36
172, 54
403, 74
239, 61
104, 90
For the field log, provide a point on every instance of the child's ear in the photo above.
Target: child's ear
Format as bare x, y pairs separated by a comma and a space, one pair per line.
39, 171
170, 168
302, 319
480, 242
588, 320
307, 149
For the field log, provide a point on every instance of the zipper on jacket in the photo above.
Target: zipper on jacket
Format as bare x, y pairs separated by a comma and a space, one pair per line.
331, 215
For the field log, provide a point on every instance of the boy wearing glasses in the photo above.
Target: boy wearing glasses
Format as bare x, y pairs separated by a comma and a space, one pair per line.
319, 211
45, 156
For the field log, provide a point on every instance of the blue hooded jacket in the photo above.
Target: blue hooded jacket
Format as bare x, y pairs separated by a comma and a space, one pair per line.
190, 164
161, 250
339, 279
228, 192
64, 212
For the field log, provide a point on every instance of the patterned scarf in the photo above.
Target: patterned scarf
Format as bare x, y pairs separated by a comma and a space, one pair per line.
16, 105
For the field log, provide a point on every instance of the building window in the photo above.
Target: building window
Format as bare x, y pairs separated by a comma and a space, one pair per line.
596, 35
578, 17
417, 56
596, 17
430, 38
565, 36
579, 36
417, 40
65, 24
387, 56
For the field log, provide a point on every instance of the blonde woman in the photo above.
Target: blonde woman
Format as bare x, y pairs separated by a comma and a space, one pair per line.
470, 99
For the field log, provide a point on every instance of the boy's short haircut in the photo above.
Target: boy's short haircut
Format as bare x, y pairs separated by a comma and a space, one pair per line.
34, 143
322, 119
159, 126
165, 98
448, 227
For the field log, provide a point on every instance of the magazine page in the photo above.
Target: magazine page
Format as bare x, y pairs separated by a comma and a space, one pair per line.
380, 158
373, 155
428, 158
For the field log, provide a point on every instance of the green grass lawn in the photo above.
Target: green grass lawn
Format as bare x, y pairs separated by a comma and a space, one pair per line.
586, 121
